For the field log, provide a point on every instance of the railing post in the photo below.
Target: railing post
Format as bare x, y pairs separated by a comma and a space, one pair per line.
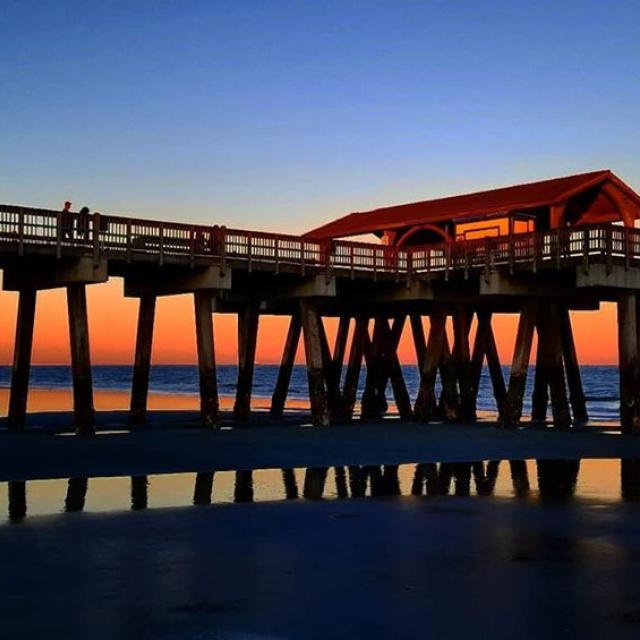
302, 269
128, 241
627, 247
192, 247
396, 262
608, 249
487, 259
585, 250
21, 232
249, 250
276, 250
466, 259
511, 244
351, 262
327, 260
95, 237
447, 264
161, 244
59, 235
535, 240
428, 261
409, 266
222, 247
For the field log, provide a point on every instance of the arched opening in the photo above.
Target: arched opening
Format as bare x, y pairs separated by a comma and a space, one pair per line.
421, 235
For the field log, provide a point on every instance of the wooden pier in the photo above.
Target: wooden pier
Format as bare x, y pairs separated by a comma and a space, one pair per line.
539, 250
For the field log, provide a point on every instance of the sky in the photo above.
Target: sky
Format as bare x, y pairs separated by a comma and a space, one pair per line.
283, 115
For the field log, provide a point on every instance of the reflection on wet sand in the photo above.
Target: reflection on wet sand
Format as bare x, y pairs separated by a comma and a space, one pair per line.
557, 481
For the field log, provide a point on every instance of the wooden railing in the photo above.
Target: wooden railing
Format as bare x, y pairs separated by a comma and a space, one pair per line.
26, 229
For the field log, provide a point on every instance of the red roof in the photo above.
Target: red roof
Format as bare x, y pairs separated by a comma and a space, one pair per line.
518, 197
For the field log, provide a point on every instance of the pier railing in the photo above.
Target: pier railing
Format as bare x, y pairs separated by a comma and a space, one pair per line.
26, 229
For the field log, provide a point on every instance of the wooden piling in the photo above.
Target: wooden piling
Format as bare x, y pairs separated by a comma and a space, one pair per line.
374, 403
572, 368
520, 365
462, 363
310, 320
426, 403
394, 369
142, 361
209, 404
354, 364
553, 347
281, 390
331, 375
248, 320
629, 364
22, 359
83, 410
495, 372
449, 398
540, 395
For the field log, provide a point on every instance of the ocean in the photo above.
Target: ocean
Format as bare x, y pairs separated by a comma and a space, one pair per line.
600, 383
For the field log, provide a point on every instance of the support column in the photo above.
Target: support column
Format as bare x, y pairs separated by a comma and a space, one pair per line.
629, 364
374, 403
426, 404
449, 399
22, 359
83, 411
574, 380
286, 367
142, 362
553, 347
495, 371
394, 370
248, 320
520, 365
462, 362
352, 376
331, 377
310, 320
206, 358
540, 396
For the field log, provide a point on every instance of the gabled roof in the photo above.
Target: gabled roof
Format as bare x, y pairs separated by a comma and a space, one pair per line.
472, 205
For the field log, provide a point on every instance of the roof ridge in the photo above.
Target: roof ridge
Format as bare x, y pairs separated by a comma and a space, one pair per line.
591, 174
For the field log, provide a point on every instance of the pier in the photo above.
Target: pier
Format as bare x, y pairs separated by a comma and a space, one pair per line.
539, 250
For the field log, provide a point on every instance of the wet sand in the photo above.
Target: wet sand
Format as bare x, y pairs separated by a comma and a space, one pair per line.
360, 568
59, 400
402, 567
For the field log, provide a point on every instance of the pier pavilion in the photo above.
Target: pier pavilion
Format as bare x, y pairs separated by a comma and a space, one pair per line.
539, 250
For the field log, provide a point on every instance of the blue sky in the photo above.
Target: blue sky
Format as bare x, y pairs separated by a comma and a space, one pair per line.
282, 115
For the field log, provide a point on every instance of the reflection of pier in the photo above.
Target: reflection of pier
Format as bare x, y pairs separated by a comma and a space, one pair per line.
538, 250
556, 481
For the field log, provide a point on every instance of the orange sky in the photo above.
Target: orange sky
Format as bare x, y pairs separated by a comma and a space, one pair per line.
112, 320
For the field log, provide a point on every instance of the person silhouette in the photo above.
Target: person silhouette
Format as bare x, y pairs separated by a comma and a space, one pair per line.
82, 223
66, 222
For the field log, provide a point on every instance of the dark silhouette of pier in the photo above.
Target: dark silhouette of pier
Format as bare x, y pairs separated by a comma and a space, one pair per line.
545, 249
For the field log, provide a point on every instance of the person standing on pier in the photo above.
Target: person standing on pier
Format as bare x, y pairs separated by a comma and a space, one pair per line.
82, 223
66, 222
